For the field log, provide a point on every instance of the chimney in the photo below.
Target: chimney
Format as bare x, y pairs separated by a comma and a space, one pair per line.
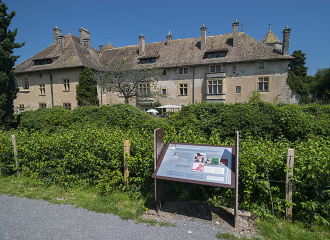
169, 38
141, 44
83, 35
101, 47
286, 39
86, 43
235, 33
56, 33
203, 37
61, 41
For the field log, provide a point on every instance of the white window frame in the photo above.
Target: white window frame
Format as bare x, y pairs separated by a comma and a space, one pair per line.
214, 85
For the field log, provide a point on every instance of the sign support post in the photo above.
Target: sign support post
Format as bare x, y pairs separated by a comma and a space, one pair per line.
236, 176
159, 183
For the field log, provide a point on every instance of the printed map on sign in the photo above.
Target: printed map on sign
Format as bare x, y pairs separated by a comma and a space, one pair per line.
197, 162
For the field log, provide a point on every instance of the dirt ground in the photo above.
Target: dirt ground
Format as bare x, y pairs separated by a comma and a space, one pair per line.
196, 211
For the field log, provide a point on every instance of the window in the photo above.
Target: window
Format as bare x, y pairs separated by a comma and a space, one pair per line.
148, 60
67, 106
42, 61
164, 91
164, 71
215, 68
42, 105
183, 70
21, 107
66, 85
16, 83
214, 86
261, 65
25, 83
42, 89
144, 89
238, 89
183, 89
216, 55
263, 83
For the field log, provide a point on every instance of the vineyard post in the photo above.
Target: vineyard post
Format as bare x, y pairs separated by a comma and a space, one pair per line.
126, 157
13, 138
288, 183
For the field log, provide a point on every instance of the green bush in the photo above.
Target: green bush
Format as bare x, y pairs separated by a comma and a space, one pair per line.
85, 147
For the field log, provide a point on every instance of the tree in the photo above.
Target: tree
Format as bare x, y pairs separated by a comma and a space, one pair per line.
129, 80
298, 80
87, 88
297, 65
8, 89
320, 86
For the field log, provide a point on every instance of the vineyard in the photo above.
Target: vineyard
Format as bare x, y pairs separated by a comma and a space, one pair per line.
85, 147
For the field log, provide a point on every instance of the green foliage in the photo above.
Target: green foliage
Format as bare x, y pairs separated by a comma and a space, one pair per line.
321, 85
87, 88
122, 115
298, 85
8, 88
297, 65
84, 147
257, 119
255, 97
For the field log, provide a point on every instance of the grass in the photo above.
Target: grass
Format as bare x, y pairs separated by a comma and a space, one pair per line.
119, 203
127, 207
284, 230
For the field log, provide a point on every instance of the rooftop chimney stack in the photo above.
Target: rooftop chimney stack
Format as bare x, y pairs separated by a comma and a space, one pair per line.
169, 38
84, 34
86, 43
203, 37
286, 39
56, 33
101, 47
142, 44
61, 41
235, 33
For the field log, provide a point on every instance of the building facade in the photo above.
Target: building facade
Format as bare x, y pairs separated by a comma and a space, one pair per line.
220, 68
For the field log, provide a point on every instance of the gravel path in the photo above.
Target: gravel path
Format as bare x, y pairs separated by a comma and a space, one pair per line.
22, 218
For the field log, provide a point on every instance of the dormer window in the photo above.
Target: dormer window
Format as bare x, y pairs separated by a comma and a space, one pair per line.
216, 55
43, 61
147, 60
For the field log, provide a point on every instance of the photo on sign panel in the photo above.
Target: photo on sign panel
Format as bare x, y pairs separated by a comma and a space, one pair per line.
200, 157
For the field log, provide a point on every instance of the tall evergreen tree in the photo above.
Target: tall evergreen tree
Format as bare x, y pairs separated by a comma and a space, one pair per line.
87, 88
297, 65
8, 88
297, 79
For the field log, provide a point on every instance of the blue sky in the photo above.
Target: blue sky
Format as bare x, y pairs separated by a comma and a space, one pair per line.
123, 21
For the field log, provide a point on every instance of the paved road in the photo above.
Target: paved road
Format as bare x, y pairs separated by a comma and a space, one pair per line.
22, 218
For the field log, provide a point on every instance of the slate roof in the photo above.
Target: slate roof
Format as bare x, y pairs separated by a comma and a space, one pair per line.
270, 37
186, 52
181, 52
75, 55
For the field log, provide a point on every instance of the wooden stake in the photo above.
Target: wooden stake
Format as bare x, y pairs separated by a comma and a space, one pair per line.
288, 183
13, 138
126, 157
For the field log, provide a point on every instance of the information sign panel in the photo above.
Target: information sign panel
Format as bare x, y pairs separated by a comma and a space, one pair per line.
196, 163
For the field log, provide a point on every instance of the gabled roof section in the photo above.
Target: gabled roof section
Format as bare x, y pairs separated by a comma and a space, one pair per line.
75, 55
186, 52
270, 37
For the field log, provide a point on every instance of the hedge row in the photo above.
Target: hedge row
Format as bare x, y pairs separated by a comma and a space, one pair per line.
94, 156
